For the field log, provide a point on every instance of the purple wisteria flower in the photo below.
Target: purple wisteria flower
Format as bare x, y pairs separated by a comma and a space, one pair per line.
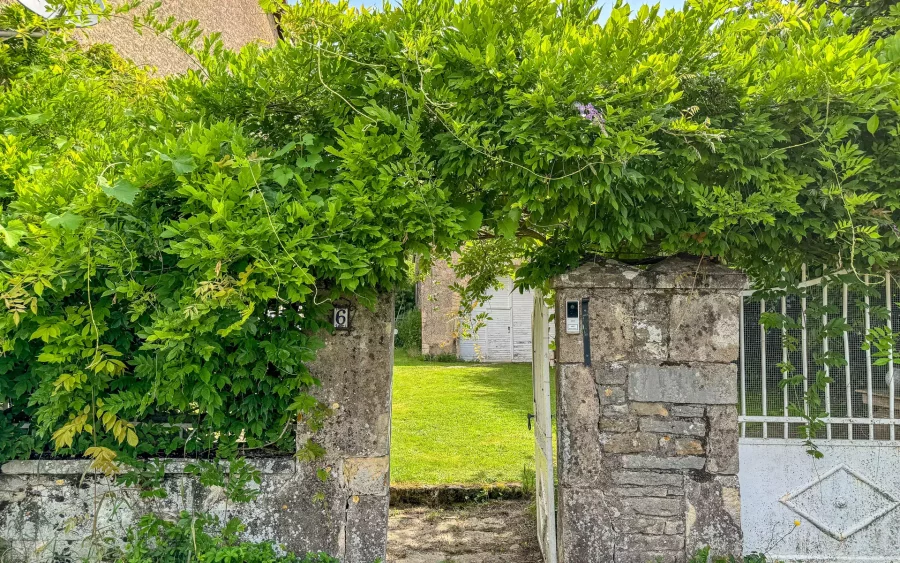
592, 114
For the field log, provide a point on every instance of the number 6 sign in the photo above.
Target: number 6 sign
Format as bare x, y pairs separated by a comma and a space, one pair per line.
342, 317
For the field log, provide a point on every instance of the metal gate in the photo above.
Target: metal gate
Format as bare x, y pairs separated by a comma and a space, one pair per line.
543, 430
842, 506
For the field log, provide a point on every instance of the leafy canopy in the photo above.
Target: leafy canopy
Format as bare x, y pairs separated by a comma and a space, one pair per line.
171, 245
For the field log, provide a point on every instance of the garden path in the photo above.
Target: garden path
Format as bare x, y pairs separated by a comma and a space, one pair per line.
501, 531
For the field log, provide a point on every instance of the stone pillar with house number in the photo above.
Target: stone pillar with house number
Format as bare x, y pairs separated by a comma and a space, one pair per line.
336, 503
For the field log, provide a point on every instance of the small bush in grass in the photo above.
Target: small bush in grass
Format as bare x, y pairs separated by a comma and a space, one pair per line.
440, 358
409, 331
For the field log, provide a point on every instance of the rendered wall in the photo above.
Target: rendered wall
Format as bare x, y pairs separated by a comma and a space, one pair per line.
48, 509
648, 433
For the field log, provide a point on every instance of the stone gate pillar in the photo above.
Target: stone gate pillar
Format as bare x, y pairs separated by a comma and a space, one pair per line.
648, 432
349, 502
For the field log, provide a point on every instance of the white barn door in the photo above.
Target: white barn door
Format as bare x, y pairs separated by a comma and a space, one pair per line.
506, 337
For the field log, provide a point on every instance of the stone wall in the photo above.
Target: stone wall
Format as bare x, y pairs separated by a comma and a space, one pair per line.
648, 433
440, 307
48, 509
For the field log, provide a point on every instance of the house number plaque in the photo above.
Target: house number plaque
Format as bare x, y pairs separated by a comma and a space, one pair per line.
342, 317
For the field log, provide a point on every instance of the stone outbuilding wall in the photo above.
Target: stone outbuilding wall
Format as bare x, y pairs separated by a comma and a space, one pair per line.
648, 431
440, 310
48, 509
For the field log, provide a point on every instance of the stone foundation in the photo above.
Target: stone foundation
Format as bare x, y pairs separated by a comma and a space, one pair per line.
648, 432
48, 509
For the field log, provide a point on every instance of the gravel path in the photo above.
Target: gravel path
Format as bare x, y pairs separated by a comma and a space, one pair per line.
491, 532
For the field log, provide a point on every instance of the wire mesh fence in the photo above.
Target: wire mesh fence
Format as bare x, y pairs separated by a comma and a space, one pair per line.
805, 371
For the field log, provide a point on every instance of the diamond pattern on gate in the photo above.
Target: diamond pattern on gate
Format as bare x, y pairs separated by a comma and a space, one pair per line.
841, 502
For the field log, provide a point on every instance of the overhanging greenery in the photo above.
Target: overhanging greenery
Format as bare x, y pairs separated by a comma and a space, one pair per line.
171, 245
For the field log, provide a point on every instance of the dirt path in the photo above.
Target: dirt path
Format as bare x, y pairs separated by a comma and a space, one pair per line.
490, 532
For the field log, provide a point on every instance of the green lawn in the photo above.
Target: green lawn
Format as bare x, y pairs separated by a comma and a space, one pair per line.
460, 422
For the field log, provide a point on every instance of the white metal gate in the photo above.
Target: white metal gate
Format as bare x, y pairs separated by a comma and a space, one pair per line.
844, 505
543, 430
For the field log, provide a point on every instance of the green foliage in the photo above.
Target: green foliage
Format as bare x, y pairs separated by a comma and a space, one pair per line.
173, 260
409, 331
165, 266
733, 130
703, 556
201, 538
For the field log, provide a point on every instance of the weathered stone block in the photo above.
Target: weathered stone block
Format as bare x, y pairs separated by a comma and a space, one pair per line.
610, 373
651, 325
651, 506
643, 491
587, 518
693, 273
628, 443
649, 409
578, 426
602, 274
629, 424
666, 463
692, 427
366, 475
712, 516
687, 446
646, 543
722, 443
711, 384
366, 534
640, 525
612, 395
688, 411
653, 556
704, 328
648, 478
615, 411
610, 314
674, 527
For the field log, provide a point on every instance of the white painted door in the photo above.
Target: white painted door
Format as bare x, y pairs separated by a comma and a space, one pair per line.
522, 310
543, 430
845, 506
499, 335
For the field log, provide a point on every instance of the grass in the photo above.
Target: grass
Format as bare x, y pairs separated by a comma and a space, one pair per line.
460, 422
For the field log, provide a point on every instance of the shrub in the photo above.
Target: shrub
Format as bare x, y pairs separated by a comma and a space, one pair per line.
409, 331
441, 358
